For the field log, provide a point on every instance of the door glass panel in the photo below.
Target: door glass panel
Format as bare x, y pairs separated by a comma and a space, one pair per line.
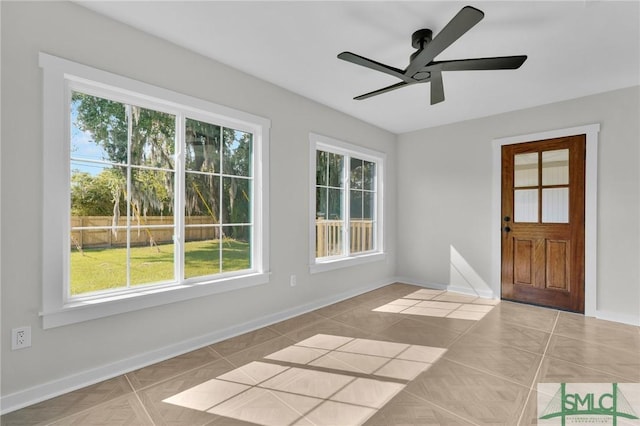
525, 205
555, 167
555, 205
526, 169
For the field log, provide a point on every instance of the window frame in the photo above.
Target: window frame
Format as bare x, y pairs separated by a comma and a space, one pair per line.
324, 143
60, 77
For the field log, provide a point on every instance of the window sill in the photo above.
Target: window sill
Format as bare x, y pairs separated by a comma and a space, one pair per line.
331, 265
79, 311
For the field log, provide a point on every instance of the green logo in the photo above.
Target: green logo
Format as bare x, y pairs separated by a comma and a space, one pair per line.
586, 406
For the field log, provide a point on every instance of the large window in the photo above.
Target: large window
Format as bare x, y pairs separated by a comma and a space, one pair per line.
347, 205
125, 192
164, 195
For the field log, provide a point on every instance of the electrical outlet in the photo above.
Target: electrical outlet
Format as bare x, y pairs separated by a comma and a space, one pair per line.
293, 281
20, 338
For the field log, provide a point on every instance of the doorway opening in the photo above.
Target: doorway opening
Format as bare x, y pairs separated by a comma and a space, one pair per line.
590, 133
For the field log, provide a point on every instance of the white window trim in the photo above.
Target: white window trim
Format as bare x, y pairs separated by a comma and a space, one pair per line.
58, 73
321, 142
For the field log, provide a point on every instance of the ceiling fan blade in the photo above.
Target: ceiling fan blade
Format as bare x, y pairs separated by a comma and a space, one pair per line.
498, 63
460, 24
437, 87
383, 90
368, 63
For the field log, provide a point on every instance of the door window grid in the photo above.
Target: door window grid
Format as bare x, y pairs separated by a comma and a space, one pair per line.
547, 202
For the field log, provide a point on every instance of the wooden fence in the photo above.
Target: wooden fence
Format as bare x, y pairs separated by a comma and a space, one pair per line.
161, 232
97, 232
329, 237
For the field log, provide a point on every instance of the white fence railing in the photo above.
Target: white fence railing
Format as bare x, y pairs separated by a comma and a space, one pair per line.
329, 237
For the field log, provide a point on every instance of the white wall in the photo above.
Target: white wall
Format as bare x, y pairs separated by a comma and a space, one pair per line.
100, 346
444, 194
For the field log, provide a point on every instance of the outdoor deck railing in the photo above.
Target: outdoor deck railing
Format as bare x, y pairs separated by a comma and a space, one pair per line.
329, 237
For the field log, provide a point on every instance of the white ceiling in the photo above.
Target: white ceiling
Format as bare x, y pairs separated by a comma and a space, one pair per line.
575, 48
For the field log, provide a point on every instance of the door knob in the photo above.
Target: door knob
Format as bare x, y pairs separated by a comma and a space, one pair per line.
507, 229
506, 219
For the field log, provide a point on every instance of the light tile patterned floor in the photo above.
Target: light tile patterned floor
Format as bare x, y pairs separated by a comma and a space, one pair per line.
272, 394
438, 303
399, 355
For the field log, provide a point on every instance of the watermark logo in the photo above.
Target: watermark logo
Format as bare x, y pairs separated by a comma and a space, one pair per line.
589, 403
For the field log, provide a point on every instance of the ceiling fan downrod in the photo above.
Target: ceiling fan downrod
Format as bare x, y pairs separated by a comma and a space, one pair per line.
419, 40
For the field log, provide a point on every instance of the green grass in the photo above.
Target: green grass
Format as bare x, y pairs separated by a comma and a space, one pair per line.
105, 268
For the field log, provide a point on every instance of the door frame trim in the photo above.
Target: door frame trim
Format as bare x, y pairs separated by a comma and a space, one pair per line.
591, 207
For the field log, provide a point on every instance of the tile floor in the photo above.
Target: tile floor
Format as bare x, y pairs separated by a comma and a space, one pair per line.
399, 355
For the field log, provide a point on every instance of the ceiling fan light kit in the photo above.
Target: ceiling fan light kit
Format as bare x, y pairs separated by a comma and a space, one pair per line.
422, 68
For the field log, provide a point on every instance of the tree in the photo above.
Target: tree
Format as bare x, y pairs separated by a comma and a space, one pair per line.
152, 145
202, 161
145, 140
106, 121
236, 204
97, 195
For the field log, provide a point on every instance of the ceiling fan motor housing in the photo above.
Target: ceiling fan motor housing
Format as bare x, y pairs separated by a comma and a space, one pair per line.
420, 38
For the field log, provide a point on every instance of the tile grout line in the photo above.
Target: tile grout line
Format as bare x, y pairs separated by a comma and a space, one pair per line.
512, 346
88, 409
462, 334
172, 377
535, 377
613, 375
440, 407
144, 407
544, 308
465, 332
596, 343
227, 358
487, 372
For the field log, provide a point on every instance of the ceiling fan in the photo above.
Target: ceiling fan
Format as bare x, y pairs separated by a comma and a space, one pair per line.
422, 68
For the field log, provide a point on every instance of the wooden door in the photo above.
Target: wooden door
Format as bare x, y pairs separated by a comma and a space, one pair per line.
543, 223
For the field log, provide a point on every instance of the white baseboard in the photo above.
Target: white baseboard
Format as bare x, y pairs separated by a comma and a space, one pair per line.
438, 286
617, 317
487, 294
421, 283
33, 395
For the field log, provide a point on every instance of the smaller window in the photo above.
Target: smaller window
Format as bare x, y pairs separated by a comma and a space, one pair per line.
346, 204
